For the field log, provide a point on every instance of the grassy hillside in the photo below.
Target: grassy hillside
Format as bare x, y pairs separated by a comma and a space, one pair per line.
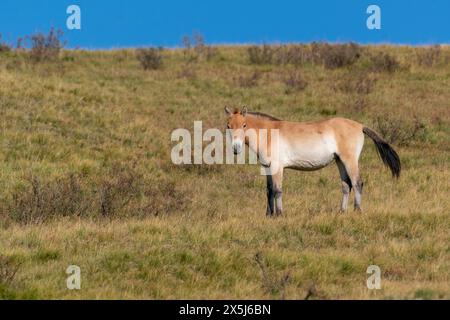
86, 176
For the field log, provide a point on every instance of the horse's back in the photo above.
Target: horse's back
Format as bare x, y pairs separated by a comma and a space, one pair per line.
333, 126
345, 124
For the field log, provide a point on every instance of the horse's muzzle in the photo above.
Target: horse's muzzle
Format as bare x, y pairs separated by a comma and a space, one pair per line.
237, 149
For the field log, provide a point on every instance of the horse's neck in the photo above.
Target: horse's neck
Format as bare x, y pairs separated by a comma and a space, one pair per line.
257, 123
263, 139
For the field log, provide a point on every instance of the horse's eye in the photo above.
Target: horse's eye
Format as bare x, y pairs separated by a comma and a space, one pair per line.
228, 125
245, 125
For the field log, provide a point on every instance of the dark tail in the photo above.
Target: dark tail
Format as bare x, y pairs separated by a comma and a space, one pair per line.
387, 153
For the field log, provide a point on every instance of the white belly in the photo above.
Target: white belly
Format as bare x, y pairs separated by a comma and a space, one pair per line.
311, 155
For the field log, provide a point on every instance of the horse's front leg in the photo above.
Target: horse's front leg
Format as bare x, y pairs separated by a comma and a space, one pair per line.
274, 190
270, 195
277, 178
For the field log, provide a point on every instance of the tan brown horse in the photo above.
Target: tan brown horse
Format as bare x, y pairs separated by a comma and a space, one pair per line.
307, 146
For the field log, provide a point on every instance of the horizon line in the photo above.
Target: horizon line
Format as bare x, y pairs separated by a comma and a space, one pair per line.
246, 44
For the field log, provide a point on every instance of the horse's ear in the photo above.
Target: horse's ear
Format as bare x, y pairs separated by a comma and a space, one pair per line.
244, 111
227, 111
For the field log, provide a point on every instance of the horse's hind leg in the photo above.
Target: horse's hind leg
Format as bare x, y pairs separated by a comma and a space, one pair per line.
358, 185
352, 169
346, 184
270, 195
349, 152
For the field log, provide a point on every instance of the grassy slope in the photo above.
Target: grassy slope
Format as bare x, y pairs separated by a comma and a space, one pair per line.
95, 109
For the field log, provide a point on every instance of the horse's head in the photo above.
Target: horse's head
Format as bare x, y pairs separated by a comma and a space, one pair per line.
236, 126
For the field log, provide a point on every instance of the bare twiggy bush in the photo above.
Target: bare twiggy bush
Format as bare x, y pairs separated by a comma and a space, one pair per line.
164, 198
285, 54
19, 44
120, 186
294, 81
293, 54
126, 193
40, 201
356, 103
397, 130
357, 86
429, 56
197, 169
188, 71
384, 62
187, 46
203, 50
120, 191
272, 283
199, 42
261, 54
361, 83
211, 52
195, 48
359, 103
311, 292
3, 46
150, 58
331, 56
364, 83
248, 80
8, 269
46, 47
335, 56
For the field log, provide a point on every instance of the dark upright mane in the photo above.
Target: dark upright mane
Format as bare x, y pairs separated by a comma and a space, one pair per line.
262, 115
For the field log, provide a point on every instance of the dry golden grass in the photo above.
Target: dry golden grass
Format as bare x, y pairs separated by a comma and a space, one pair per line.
86, 153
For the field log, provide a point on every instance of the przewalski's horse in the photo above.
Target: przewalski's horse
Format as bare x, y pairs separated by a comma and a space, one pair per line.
307, 146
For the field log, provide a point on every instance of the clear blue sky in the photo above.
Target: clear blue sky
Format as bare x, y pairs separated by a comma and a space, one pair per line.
120, 23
